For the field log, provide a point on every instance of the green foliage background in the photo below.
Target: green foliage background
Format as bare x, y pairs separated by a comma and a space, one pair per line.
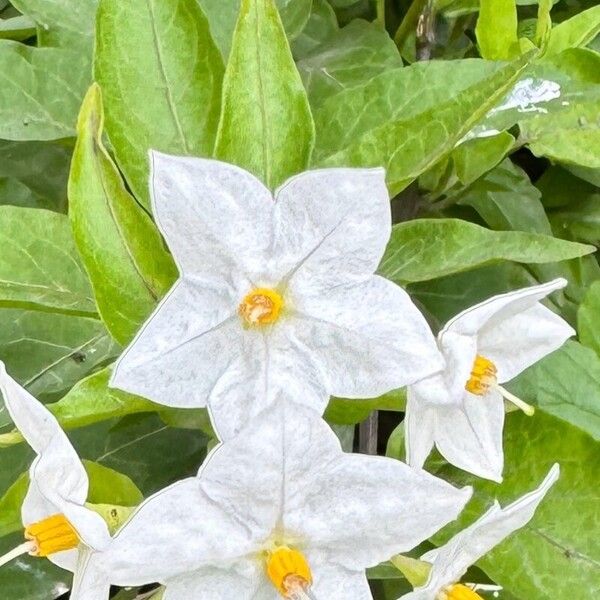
486, 116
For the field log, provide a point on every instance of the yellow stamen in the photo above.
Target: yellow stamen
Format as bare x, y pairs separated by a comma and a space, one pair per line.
484, 377
53, 534
289, 572
261, 306
458, 591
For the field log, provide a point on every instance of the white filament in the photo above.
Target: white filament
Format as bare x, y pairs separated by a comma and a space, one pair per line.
526, 408
16, 552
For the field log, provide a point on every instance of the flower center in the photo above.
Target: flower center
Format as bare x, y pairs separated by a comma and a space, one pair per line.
484, 377
54, 534
458, 591
289, 572
261, 306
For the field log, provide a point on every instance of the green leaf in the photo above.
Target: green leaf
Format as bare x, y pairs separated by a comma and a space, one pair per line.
408, 147
222, 17
557, 554
122, 250
10, 505
428, 248
573, 136
266, 126
49, 352
108, 486
60, 25
506, 199
160, 74
42, 167
496, 29
343, 411
579, 30
39, 266
17, 28
588, 318
40, 91
348, 58
321, 25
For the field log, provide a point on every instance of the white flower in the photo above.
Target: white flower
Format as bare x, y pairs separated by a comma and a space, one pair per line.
461, 410
57, 523
275, 293
280, 510
451, 561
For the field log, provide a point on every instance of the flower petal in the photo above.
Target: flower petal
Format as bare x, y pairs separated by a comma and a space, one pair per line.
419, 429
89, 583
242, 581
369, 336
187, 343
59, 482
391, 507
335, 582
215, 217
492, 311
268, 367
521, 340
453, 559
470, 437
331, 227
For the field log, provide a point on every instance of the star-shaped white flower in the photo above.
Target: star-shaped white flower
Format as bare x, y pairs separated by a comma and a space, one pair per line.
57, 523
461, 409
275, 293
451, 561
280, 511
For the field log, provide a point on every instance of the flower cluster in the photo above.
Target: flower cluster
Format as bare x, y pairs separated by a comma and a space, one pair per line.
277, 307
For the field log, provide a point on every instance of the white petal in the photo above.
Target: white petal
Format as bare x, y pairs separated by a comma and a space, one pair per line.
195, 523
494, 310
245, 581
391, 507
216, 217
183, 348
331, 227
419, 429
369, 336
88, 582
269, 366
522, 339
471, 437
459, 353
453, 559
335, 582
59, 482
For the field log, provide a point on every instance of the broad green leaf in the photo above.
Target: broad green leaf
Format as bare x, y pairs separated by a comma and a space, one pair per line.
573, 136
61, 25
10, 505
49, 352
142, 447
266, 126
222, 17
348, 58
580, 220
40, 167
565, 384
40, 92
391, 96
496, 29
39, 265
321, 25
408, 147
579, 30
557, 554
160, 74
122, 250
17, 28
29, 577
428, 248
588, 319
506, 199
343, 411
